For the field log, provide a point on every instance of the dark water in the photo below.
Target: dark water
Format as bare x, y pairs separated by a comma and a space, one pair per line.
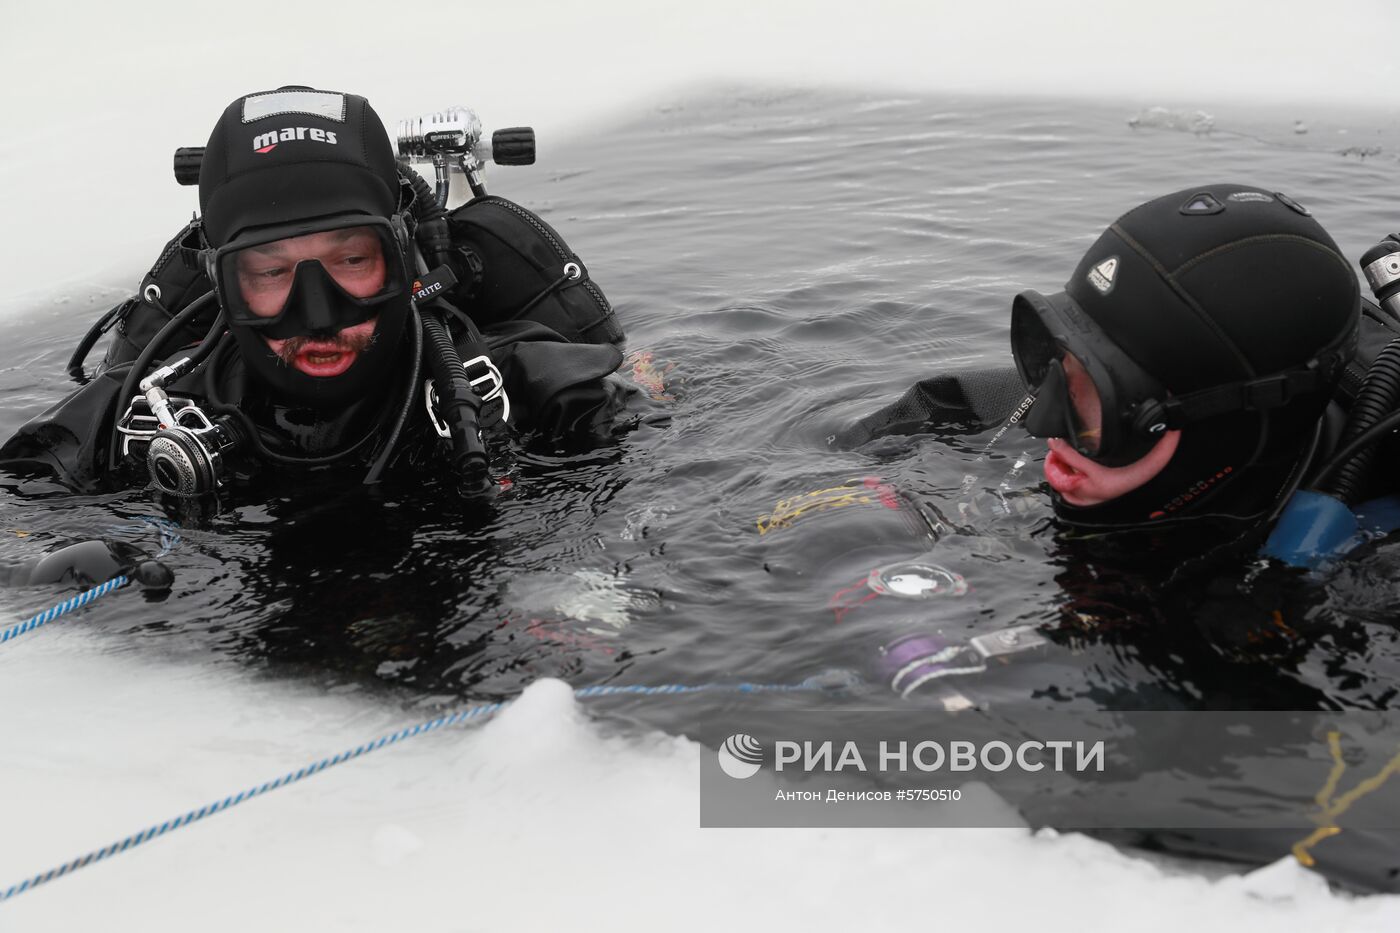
783, 263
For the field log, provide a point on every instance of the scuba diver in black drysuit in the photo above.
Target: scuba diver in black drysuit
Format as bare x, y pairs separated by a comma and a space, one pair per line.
1210, 355
326, 319
346, 319
1215, 321
1206, 359
1189, 378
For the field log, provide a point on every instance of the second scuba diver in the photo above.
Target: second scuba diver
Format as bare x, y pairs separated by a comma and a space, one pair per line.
1194, 372
1183, 373
1210, 354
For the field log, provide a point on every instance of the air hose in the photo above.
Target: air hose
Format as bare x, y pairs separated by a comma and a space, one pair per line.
1375, 432
425, 202
1324, 521
94, 334
1343, 477
458, 404
382, 460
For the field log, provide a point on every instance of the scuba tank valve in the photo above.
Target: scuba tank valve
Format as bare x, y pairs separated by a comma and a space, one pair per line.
1381, 264
453, 139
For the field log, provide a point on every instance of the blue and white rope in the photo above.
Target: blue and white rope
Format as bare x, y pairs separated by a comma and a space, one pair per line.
452, 719
169, 538
77, 602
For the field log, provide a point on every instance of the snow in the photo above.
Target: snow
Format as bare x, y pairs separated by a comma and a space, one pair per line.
538, 819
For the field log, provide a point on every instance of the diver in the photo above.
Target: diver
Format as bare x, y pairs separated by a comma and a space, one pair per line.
1183, 374
1209, 366
1210, 355
325, 312
1196, 370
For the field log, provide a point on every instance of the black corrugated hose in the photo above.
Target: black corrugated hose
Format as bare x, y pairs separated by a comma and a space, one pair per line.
1379, 393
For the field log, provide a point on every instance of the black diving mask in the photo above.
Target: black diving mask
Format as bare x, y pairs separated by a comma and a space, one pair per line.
1087, 390
1092, 394
309, 278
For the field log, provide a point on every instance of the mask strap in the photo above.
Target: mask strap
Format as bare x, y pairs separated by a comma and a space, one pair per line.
1255, 395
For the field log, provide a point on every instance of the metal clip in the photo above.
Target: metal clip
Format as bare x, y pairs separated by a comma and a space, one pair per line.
491, 376
139, 424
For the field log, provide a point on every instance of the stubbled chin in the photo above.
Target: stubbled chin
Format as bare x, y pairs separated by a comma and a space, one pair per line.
324, 365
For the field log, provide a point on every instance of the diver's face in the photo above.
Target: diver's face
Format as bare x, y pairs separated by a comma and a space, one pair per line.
1079, 480
354, 258
325, 357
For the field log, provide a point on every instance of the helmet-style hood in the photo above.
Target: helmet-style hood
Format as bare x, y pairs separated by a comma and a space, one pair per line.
1211, 288
285, 163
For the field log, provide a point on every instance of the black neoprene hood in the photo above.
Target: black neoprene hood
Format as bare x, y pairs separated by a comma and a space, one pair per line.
286, 162
1206, 287
1217, 284
293, 154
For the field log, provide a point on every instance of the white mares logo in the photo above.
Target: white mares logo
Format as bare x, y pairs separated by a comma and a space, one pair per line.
740, 756
1102, 275
268, 141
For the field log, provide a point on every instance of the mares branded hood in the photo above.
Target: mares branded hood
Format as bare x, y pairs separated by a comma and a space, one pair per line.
286, 163
294, 154
1211, 288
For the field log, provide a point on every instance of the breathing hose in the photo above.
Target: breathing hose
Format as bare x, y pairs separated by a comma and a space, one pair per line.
1343, 477
94, 334
1318, 523
425, 202
1367, 437
381, 461
458, 404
